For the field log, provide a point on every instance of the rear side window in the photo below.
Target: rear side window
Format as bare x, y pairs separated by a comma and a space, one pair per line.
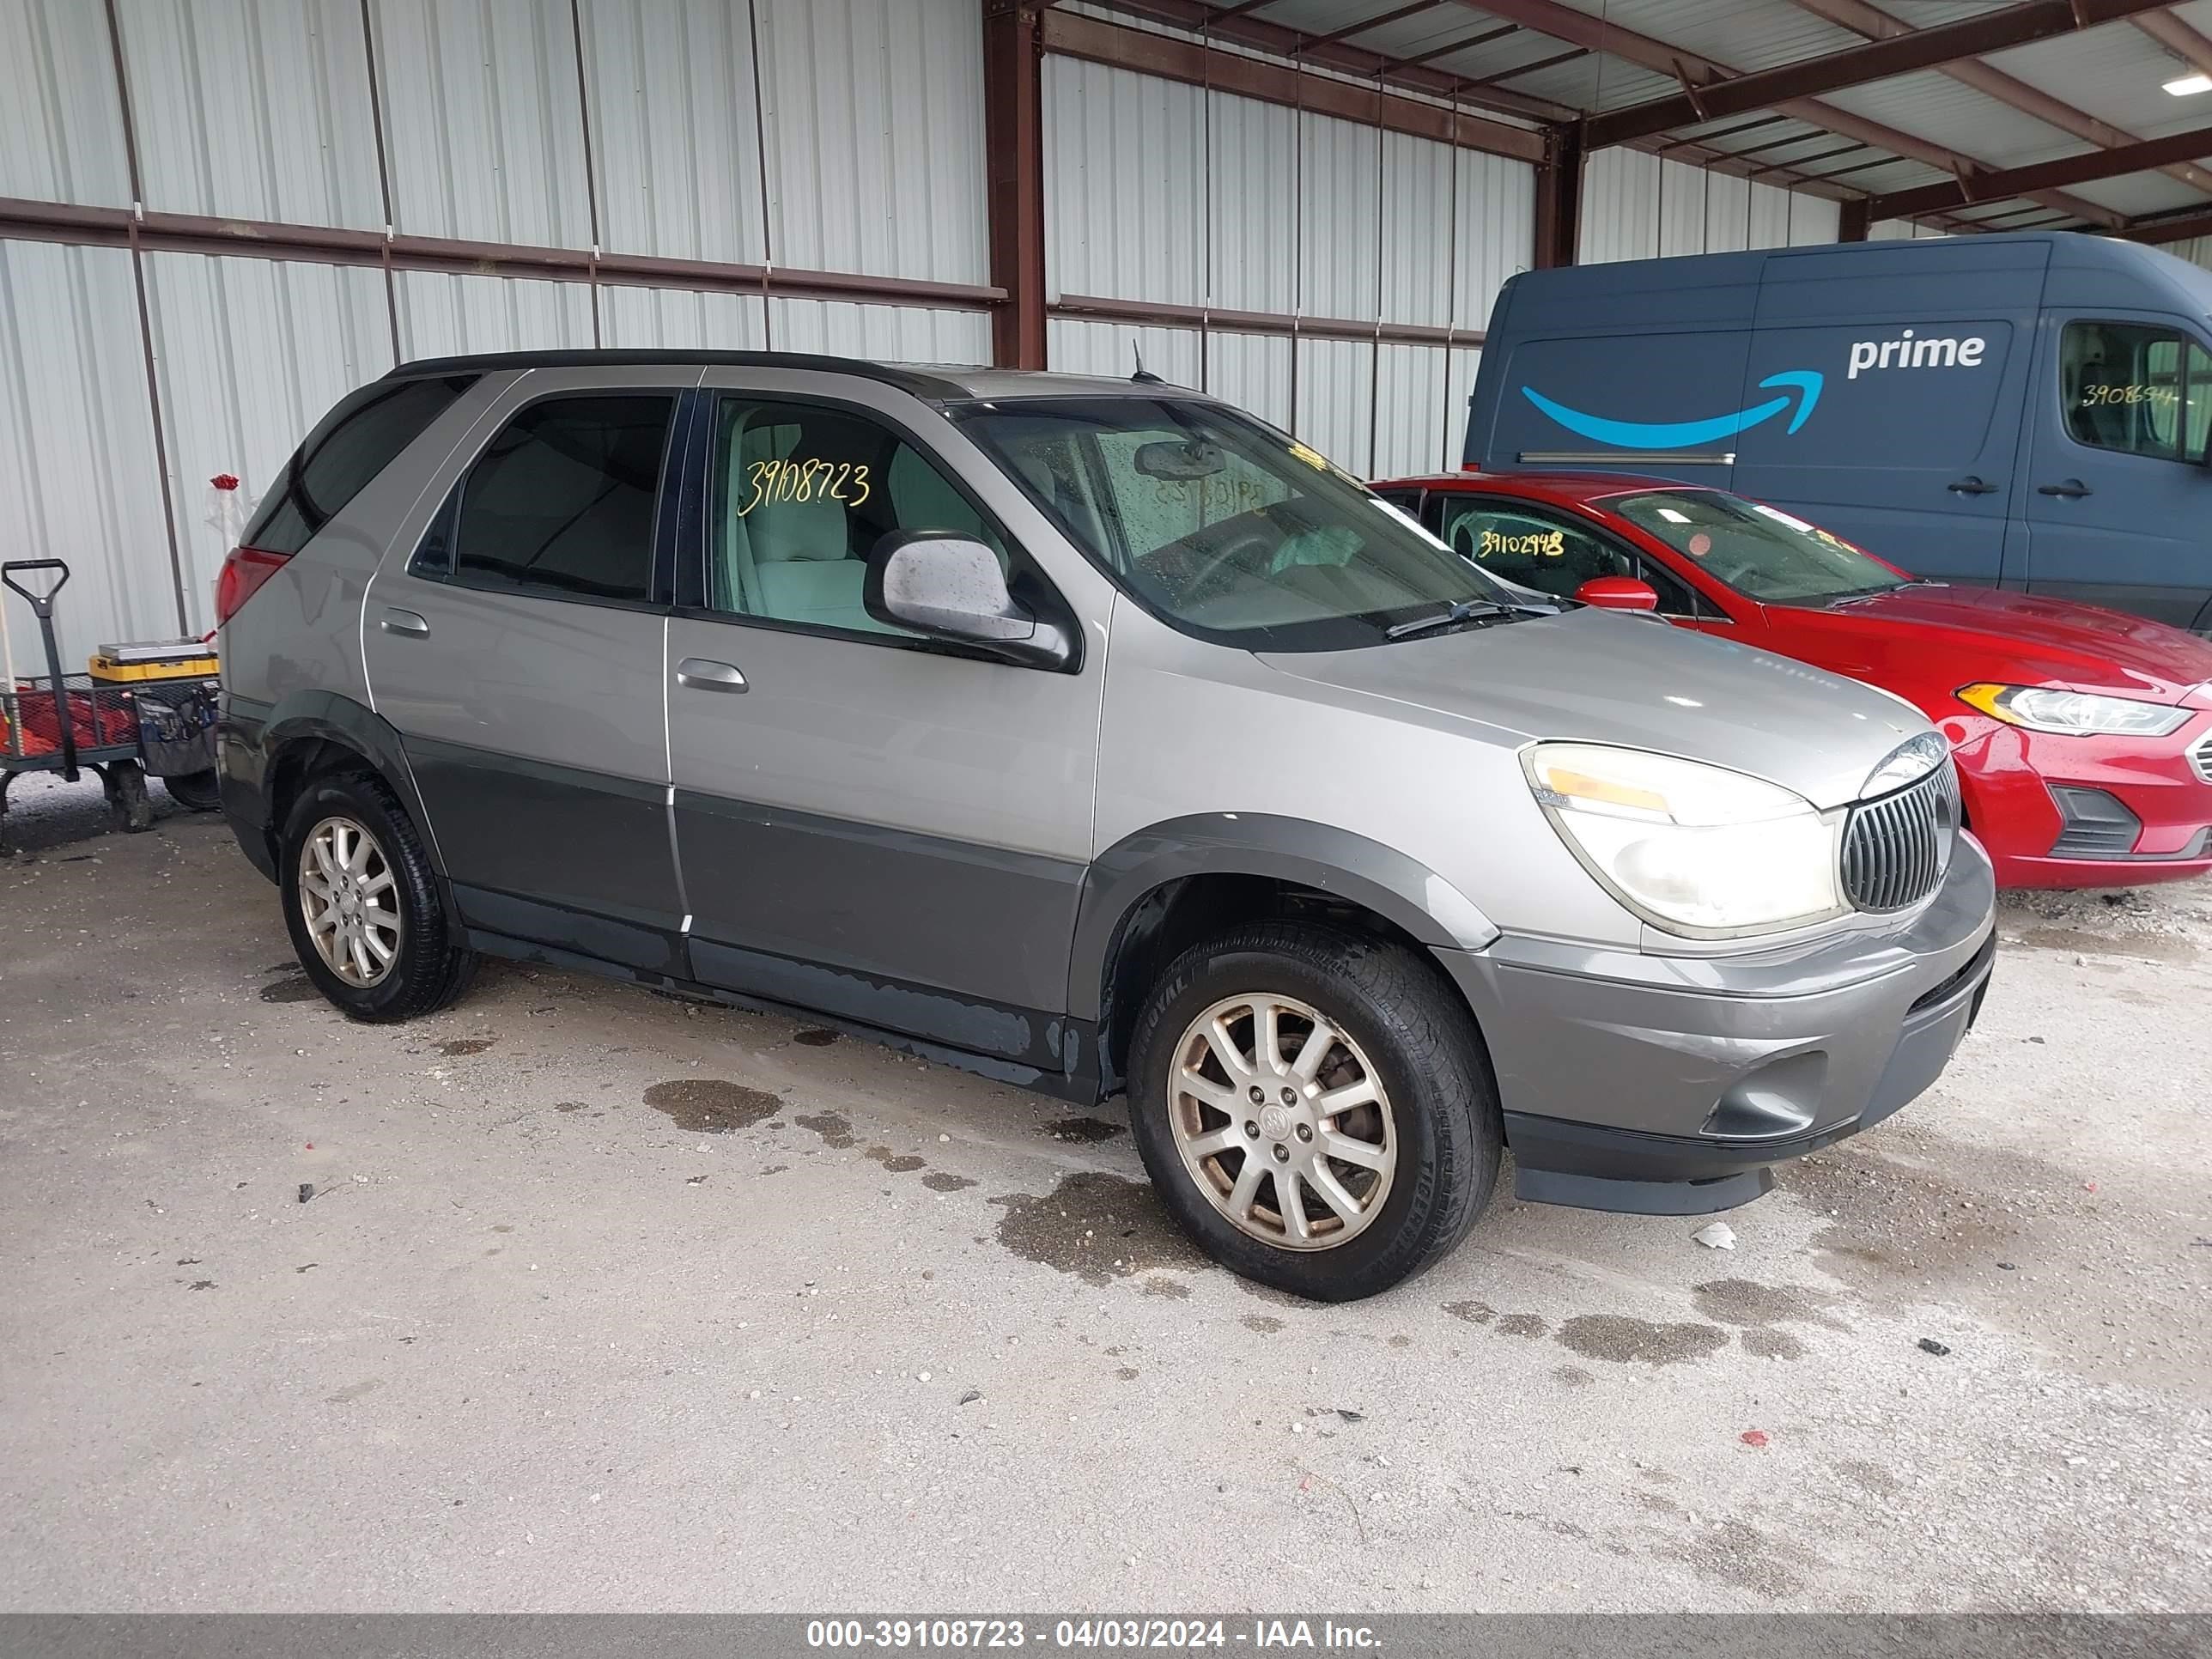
562, 501
353, 442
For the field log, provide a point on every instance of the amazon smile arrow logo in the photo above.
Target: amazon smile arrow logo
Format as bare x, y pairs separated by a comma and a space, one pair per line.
1682, 434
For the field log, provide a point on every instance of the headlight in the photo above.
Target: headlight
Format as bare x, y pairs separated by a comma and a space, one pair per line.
2073, 713
1693, 848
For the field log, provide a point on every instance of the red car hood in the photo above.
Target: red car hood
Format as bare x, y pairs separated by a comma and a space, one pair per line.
2024, 639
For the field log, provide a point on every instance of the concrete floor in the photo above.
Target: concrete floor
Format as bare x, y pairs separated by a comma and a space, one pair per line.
605, 1302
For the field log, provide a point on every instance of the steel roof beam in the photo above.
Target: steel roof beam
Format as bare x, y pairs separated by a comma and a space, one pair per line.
1581, 29
1227, 24
2178, 37
2177, 228
2008, 182
1876, 24
1854, 66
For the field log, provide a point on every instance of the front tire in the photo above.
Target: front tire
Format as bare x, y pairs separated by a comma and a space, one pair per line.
362, 904
1314, 1108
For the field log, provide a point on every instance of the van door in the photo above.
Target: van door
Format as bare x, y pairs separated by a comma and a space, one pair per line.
518, 651
886, 828
1915, 362
2119, 501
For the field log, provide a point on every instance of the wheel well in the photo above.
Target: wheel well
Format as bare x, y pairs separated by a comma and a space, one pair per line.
294, 764
1176, 914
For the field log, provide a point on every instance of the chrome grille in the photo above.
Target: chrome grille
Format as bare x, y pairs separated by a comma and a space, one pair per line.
1897, 846
2201, 758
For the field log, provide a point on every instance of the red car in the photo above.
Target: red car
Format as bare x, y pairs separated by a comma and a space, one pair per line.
2083, 737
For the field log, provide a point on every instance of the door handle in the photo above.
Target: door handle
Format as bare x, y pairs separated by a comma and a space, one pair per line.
2071, 489
1972, 485
396, 621
705, 674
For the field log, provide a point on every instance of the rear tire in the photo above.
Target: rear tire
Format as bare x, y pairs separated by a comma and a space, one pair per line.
1376, 1115
196, 791
361, 903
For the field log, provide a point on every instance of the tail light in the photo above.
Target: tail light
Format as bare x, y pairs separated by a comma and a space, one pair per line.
243, 572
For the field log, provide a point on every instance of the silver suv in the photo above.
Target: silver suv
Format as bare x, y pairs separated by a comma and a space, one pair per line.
1092, 736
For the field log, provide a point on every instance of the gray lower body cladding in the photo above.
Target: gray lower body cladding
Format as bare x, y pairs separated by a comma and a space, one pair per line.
1669, 1086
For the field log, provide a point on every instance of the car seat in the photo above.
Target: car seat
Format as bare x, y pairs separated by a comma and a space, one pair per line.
802, 562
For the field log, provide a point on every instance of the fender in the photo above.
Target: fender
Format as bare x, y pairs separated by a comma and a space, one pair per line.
250, 735
1381, 879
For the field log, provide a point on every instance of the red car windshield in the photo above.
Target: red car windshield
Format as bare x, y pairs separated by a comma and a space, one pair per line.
1757, 549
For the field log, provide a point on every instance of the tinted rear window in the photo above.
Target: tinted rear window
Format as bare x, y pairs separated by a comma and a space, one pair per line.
353, 442
562, 501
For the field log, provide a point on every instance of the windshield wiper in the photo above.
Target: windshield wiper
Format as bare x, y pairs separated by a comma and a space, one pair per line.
1465, 610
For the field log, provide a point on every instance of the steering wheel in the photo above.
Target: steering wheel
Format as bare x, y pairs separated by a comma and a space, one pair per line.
1164, 564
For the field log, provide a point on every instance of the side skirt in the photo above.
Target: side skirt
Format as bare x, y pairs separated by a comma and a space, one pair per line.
1080, 1086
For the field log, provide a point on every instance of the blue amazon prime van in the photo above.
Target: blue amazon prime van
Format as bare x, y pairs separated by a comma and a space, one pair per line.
2027, 411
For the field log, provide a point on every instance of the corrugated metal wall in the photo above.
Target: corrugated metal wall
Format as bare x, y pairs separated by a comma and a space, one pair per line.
1637, 206
1295, 215
629, 124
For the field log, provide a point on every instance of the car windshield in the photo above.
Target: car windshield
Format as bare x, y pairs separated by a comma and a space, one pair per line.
1757, 549
1228, 530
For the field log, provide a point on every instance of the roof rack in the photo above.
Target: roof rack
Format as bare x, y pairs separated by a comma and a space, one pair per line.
917, 381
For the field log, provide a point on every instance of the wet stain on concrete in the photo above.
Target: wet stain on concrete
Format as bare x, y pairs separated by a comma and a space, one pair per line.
2141, 947
1572, 1377
1741, 1557
1173, 1288
939, 1181
1127, 1373
898, 1163
290, 965
1624, 1340
1086, 1130
834, 1128
1097, 1227
1757, 1309
569, 1106
454, 1046
709, 1106
1402, 1341
775, 1169
1762, 1343
815, 1037
298, 989
1869, 1476
1481, 1313
345, 1395
1266, 1324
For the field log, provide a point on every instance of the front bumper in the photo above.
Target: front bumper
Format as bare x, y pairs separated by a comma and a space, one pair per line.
2095, 812
1671, 1084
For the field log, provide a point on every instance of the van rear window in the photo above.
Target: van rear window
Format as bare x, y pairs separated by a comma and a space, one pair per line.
350, 446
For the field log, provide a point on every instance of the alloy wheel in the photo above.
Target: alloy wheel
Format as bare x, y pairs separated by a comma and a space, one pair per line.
1282, 1121
349, 900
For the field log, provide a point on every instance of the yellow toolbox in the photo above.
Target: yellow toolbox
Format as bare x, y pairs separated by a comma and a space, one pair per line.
155, 659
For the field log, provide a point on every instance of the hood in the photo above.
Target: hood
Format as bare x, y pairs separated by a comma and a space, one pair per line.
1593, 676
2028, 639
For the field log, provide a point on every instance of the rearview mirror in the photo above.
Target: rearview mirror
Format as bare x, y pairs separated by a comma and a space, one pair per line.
1618, 593
1180, 462
950, 587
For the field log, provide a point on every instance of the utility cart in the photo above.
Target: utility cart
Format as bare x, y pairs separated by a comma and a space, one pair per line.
99, 721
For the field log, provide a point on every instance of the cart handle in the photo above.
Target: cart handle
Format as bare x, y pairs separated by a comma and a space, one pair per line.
42, 604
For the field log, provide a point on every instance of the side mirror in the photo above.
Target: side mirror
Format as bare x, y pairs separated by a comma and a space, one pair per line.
1618, 593
949, 586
